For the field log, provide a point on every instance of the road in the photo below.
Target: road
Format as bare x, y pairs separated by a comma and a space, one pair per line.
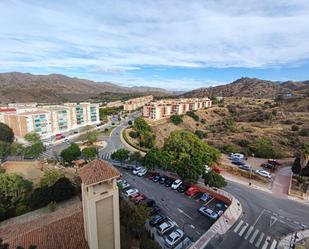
113, 141
266, 219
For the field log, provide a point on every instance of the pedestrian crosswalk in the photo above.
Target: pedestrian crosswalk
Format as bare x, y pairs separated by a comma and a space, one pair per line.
106, 156
254, 236
48, 154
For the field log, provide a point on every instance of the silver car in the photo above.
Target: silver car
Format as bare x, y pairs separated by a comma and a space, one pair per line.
173, 238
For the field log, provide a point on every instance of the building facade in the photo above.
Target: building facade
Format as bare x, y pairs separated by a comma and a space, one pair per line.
166, 108
49, 120
100, 200
133, 104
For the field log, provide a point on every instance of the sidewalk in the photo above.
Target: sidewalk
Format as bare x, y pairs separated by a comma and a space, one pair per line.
289, 240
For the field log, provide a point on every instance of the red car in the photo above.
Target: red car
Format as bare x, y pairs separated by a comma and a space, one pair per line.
274, 162
138, 199
192, 191
217, 169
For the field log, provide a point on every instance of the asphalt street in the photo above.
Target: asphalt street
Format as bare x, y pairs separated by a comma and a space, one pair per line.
265, 220
179, 207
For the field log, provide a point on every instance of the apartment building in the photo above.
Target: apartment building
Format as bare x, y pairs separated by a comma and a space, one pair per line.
166, 108
117, 103
133, 104
48, 120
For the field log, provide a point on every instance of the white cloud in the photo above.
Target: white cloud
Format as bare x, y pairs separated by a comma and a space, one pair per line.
115, 37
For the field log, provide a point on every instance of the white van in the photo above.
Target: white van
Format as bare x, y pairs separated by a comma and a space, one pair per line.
237, 156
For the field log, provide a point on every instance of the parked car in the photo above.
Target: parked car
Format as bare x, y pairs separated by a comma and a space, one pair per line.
274, 162
267, 165
138, 199
182, 188
238, 162
217, 170
206, 197
192, 191
142, 172
156, 178
125, 184
164, 227
173, 238
162, 180
237, 156
220, 206
156, 220
176, 184
75, 132
148, 202
155, 209
208, 212
168, 182
136, 170
246, 167
130, 192
263, 173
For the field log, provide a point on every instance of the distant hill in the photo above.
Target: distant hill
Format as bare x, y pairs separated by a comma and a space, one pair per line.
252, 87
53, 88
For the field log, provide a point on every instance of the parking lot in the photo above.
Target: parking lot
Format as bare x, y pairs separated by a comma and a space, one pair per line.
178, 207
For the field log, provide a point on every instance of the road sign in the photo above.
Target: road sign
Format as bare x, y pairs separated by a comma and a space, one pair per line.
273, 220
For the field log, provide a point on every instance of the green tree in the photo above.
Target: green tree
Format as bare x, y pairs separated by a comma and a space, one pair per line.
193, 115
89, 153
17, 149
263, 147
148, 139
152, 158
4, 150
214, 180
50, 177
90, 136
141, 125
13, 192
189, 154
71, 153
120, 155
136, 157
6, 133
176, 119
200, 134
34, 150
33, 138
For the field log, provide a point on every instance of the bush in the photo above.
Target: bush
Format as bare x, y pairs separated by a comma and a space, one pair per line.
52, 206
133, 134
130, 122
176, 119
304, 132
193, 115
89, 153
201, 134
263, 147
232, 109
214, 180
230, 148
295, 127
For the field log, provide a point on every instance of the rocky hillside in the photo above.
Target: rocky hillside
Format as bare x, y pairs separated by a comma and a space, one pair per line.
254, 88
17, 87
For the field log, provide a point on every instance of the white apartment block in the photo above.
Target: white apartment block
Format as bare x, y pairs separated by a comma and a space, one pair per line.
133, 104
167, 107
49, 120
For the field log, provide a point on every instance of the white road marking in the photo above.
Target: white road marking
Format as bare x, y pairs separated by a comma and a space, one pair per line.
193, 227
238, 226
243, 229
259, 240
254, 236
266, 242
181, 211
249, 232
259, 217
273, 245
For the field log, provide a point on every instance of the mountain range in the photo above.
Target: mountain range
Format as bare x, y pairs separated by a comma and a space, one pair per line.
53, 88
253, 87
25, 87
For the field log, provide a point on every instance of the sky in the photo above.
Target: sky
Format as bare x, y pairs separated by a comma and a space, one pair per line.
172, 44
